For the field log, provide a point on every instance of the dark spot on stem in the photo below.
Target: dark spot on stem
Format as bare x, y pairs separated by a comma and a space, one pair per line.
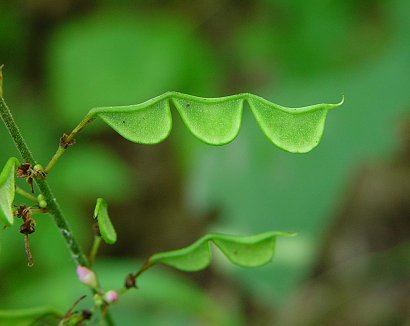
65, 142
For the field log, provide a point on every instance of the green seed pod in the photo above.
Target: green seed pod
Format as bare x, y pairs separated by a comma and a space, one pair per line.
41, 197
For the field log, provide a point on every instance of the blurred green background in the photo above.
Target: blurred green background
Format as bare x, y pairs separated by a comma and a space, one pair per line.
348, 200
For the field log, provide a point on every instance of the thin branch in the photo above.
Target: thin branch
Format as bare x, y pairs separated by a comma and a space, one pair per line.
70, 310
66, 141
26, 194
94, 249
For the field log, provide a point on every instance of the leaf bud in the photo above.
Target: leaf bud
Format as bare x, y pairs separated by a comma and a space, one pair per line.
87, 276
111, 296
42, 204
38, 168
98, 300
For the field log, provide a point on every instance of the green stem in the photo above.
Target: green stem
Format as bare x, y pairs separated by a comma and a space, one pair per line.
39, 210
94, 249
15, 132
71, 137
60, 151
26, 194
144, 267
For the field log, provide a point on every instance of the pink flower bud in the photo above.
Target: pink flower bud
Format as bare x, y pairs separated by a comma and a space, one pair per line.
87, 276
111, 296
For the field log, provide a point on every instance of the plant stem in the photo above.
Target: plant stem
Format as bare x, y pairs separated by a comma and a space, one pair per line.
68, 141
52, 204
26, 194
15, 132
39, 210
1, 80
60, 151
94, 249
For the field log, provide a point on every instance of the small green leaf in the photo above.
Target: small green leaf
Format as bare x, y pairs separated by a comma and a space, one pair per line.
28, 316
104, 223
7, 191
216, 121
245, 251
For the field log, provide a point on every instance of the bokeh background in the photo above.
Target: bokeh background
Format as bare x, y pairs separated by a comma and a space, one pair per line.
348, 200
